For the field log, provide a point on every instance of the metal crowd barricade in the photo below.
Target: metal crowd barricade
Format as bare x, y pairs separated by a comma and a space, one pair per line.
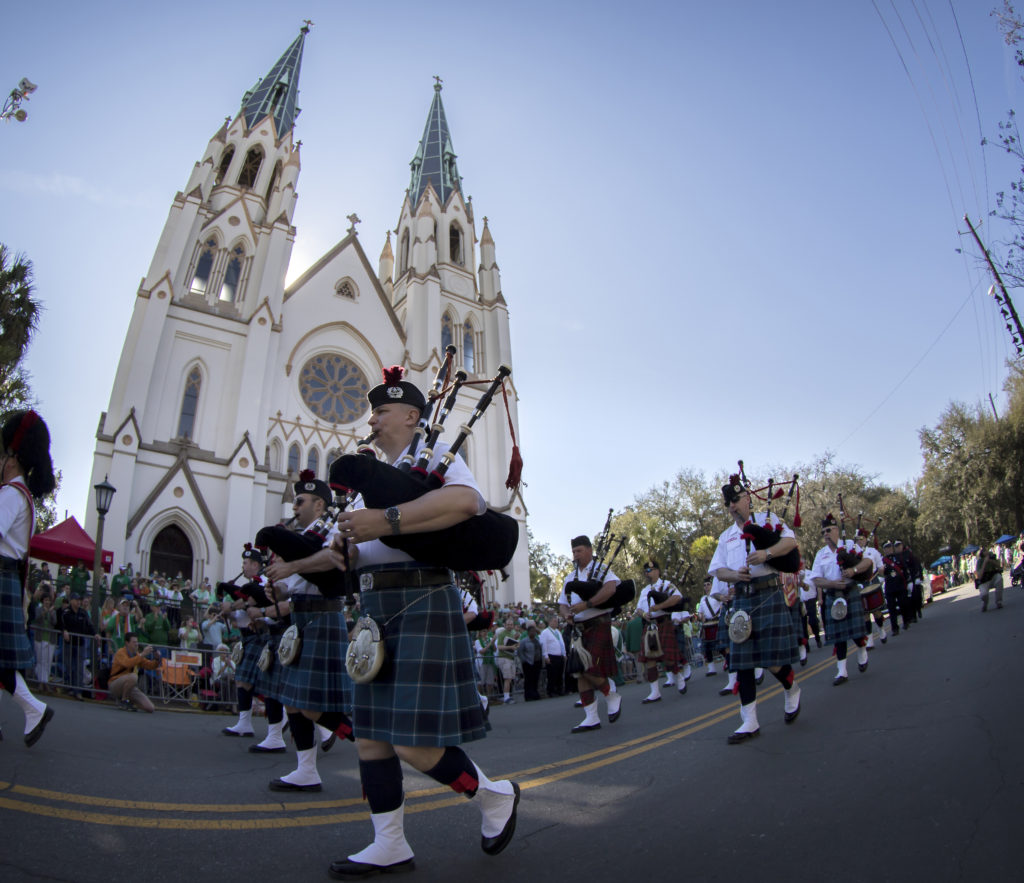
80, 666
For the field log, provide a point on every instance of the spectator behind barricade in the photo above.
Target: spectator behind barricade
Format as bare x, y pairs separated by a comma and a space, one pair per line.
203, 596
127, 618
63, 581
121, 582
124, 679
173, 597
489, 672
223, 668
553, 652
506, 641
189, 634
529, 654
157, 626
79, 578
44, 635
76, 627
213, 627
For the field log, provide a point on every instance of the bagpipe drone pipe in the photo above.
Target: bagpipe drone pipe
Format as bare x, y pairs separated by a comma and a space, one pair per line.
624, 592
481, 542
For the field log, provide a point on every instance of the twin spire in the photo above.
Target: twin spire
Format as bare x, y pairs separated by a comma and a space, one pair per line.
276, 95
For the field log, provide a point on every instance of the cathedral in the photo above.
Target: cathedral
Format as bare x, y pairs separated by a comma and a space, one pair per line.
230, 383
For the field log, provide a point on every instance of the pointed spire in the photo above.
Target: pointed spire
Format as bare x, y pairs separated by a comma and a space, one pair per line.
434, 162
277, 94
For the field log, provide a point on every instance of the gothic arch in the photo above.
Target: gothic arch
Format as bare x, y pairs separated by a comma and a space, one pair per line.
195, 534
185, 384
225, 164
276, 455
403, 252
251, 167
456, 244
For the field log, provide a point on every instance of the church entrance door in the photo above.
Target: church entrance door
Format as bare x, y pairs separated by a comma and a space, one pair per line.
171, 553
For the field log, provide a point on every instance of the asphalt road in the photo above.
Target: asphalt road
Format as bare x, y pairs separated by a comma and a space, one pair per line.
909, 770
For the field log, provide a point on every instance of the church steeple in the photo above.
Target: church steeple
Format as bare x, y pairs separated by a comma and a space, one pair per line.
434, 162
276, 95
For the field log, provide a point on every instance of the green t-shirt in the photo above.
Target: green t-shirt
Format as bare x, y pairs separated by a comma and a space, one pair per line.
506, 651
158, 629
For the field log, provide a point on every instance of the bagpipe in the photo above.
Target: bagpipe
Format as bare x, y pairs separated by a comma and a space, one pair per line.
585, 589
291, 545
658, 596
481, 542
765, 536
469, 581
846, 558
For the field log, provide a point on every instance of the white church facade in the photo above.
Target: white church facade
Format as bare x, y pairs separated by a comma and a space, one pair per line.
230, 383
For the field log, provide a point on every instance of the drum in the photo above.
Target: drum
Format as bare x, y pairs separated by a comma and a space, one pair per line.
709, 635
872, 598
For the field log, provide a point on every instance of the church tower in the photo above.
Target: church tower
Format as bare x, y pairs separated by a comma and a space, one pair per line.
441, 301
180, 436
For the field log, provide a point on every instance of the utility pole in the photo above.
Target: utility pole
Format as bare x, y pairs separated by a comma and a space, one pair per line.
1006, 307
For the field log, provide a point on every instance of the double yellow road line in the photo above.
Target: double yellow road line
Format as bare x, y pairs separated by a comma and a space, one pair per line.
257, 816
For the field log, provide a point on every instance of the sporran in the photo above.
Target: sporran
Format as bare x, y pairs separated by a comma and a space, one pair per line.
366, 651
290, 647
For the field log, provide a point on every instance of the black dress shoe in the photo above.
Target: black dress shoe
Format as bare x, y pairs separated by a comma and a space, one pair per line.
578, 703
585, 728
33, 735
682, 689
494, 845
328, 743
648, 700
614, 716
737, 738
862, 667
259, 749
282, 785
839, 679
803, 661
759, 680
725, 691
346, 869
227, 731
710, 674
791, 716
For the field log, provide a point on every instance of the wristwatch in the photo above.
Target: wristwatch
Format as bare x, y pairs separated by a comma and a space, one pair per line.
394, 518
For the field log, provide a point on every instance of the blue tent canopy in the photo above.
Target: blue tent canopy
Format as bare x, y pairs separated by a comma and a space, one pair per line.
938, 562
1005, 538
970, 550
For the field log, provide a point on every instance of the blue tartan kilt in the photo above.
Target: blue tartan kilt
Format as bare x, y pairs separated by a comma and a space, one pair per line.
15, 648
722, 642
247, 671
318, 680
773, 639
425, 694
849, 629
268, 683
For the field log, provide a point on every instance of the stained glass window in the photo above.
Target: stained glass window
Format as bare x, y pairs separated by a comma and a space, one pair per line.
333, 388
189, 404
293, 459
468, 360
204, 266
232, 275
447, 332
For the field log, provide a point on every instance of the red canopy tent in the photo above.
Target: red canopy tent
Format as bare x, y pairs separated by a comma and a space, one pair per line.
67, 543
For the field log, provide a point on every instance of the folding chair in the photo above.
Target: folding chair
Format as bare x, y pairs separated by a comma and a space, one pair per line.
177, 681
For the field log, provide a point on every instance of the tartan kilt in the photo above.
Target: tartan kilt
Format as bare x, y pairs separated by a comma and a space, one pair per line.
685, 644
669, 645
247, 671
772, 640
318, 679
268, 683
15, 648
849, 629
722, 642
425, 693
597, 640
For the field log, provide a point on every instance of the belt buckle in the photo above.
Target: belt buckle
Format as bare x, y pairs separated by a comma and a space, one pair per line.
365, 582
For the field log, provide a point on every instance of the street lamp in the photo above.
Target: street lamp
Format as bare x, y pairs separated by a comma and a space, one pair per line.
104, 495
12, 108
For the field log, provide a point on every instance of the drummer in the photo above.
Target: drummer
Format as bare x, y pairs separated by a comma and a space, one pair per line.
872, 584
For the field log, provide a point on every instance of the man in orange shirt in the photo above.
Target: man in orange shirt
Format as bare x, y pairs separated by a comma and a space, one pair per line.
124, 678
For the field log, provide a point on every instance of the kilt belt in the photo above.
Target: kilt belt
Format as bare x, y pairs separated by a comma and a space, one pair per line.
759, 584
312, 604
405, 579
12, 564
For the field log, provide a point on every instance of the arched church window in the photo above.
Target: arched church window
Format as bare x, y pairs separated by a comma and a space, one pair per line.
332, 455
294, 455
251, 167
189, 404
403, 253
274, 456
468, 348
447, 331
204, 266
313, 460
455, 245
232, 275
333, 388
225, 161
274, 178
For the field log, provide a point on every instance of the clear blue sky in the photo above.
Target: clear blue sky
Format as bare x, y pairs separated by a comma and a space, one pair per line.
712, 220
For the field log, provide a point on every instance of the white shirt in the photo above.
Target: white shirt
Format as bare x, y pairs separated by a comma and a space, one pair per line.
469, 604
826, 566
569, 598
709, 607
646, 602
732, 548
374, 552
551, 642
15, 521
876, 559
808, 591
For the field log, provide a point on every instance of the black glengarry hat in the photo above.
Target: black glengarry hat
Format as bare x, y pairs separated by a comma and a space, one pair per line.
308, 483
396, 391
